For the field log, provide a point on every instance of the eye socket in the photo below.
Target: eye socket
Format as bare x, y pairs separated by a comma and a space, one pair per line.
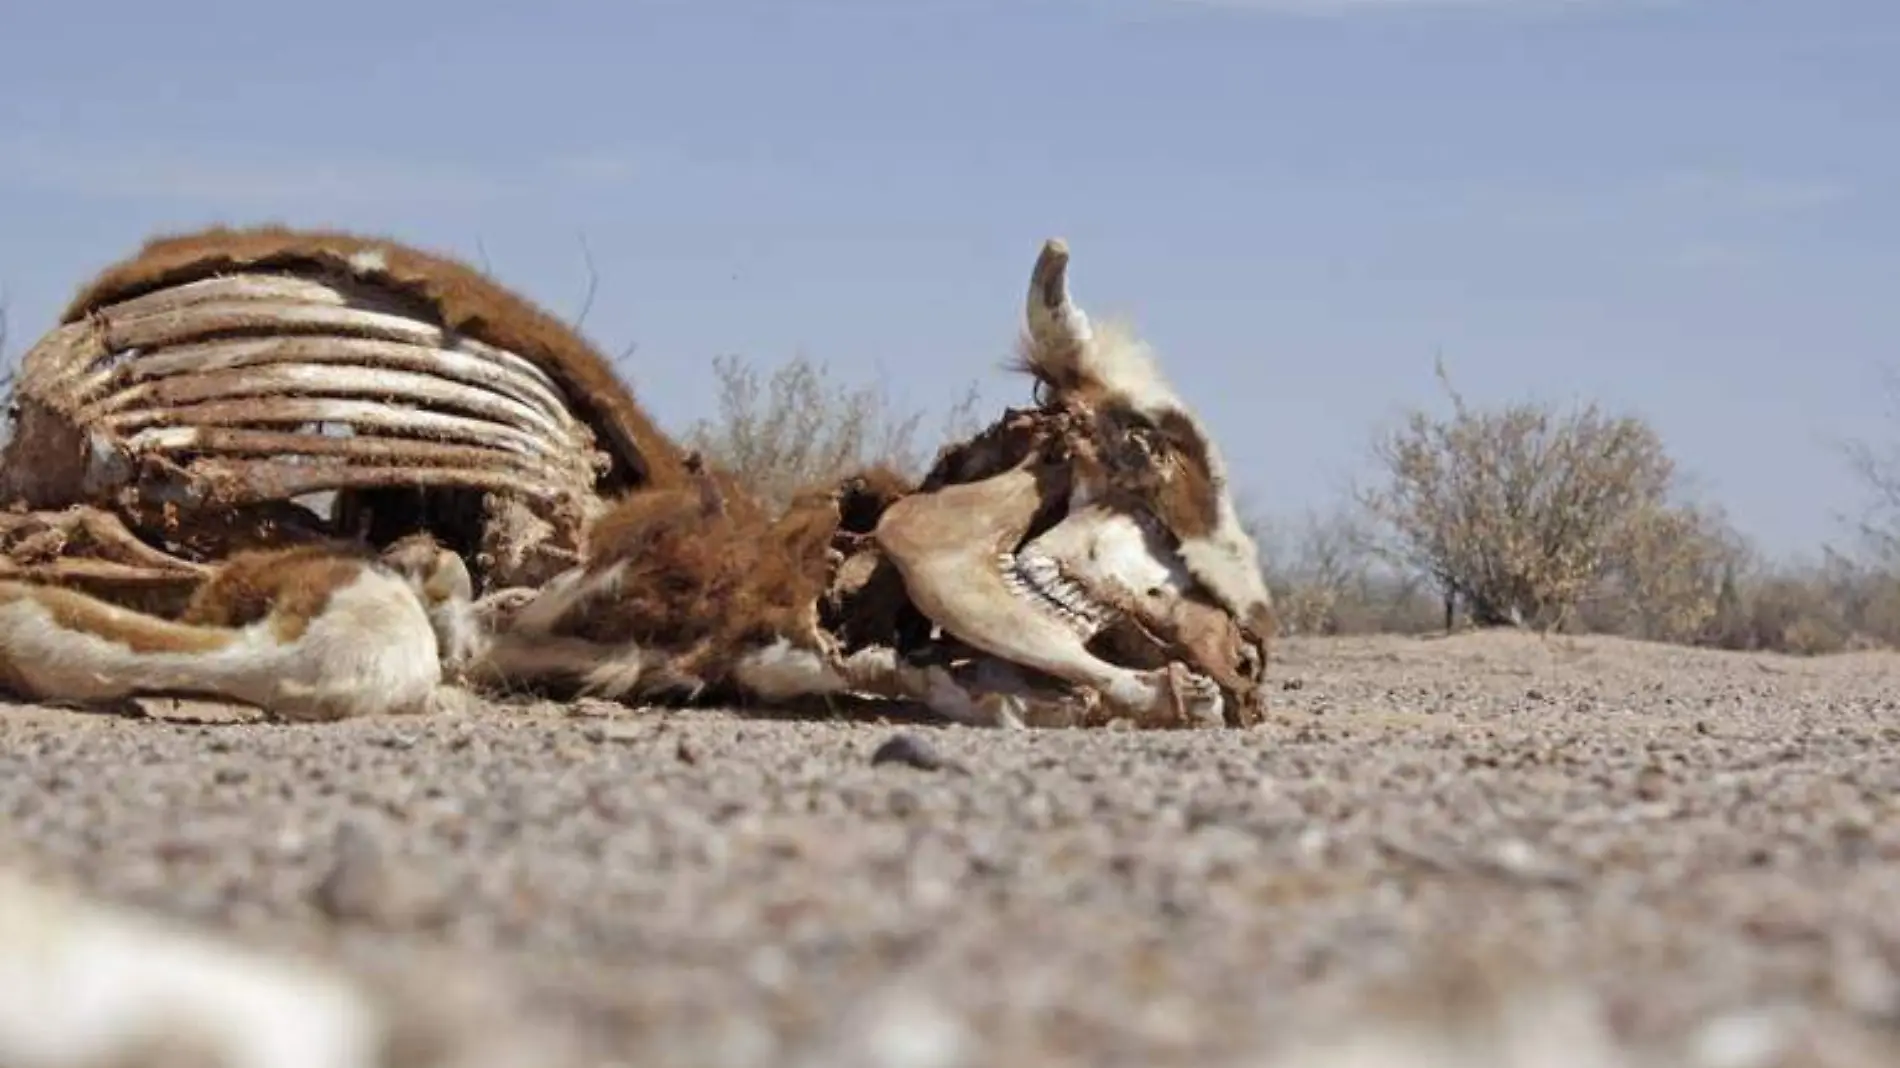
1144, 435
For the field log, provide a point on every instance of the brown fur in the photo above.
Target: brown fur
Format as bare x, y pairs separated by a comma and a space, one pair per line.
291, 586
677, 552
1187, 500
864, 602
1009, 441
75, 611
707, 573
863, 495
462, 298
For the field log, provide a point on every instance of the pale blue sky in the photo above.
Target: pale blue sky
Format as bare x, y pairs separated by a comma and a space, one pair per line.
1684, 206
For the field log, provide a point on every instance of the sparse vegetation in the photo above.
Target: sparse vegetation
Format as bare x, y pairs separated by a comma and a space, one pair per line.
797, 426
1530, 516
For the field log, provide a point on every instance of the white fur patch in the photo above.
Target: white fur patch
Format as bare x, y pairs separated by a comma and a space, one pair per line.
1226, 561
782, 671
618, 673
373, 651
371, 261
1230, 569
1113, 557
458, 631
1126, 366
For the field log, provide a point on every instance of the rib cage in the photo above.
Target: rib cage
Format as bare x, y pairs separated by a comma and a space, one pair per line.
218, 408
238, 378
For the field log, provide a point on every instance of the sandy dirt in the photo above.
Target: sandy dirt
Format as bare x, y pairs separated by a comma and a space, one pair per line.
1636, 854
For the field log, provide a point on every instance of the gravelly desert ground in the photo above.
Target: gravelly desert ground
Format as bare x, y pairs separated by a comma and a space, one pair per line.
1605, 853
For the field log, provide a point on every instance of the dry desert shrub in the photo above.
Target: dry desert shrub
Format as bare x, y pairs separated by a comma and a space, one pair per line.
1876, 466
1664, 576
1836, 605
1574, 520
796, 426
1522, 514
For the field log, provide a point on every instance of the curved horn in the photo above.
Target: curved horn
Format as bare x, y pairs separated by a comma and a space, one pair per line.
1054, 320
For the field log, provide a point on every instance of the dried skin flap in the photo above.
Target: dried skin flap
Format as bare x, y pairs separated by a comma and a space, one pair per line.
219, 376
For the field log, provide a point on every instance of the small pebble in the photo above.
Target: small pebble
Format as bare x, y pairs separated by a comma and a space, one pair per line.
600, 733
907, 748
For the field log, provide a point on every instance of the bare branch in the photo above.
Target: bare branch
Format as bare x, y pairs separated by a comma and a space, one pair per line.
797, 427
9, 369
593, 282
1877, 467
623, 361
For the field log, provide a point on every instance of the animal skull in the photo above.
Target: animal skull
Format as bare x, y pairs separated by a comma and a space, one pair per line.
1092, 540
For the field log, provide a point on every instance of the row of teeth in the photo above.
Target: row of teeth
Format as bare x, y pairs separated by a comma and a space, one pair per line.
1039, 581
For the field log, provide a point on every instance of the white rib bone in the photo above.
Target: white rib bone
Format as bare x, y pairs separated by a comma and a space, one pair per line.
373, 452
281, 288
326, 380
227, 287
358, 414
236, 353
211, 318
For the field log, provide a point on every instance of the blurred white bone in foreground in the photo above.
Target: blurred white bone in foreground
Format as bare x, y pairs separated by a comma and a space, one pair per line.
84, 984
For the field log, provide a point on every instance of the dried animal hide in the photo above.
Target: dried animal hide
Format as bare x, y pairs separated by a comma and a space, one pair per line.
686, 588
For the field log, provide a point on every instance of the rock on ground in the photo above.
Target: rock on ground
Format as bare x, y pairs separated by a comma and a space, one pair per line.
1489, 850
